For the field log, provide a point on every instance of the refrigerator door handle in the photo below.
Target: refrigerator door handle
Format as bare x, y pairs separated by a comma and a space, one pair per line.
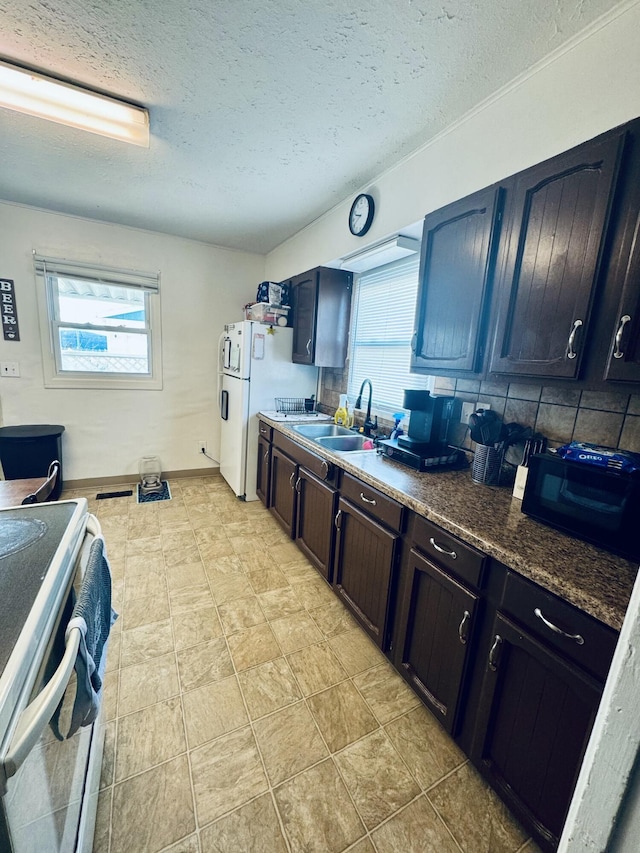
226, 358
224, 405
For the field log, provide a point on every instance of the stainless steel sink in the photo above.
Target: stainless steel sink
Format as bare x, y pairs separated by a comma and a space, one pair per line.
344, 443
320, 430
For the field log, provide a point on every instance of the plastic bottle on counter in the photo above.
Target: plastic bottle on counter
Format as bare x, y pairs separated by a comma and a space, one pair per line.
397, 429
341, 416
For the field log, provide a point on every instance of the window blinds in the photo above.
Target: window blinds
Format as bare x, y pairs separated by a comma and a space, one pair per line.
64, 268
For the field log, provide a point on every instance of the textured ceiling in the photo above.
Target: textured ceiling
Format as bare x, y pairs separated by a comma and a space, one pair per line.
264, 115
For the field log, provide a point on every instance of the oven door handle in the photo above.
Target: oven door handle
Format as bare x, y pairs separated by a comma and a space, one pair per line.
36, 716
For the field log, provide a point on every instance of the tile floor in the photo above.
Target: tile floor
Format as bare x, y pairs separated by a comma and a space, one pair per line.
248, 712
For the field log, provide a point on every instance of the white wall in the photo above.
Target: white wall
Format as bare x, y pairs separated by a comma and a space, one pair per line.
589, 87
202, 287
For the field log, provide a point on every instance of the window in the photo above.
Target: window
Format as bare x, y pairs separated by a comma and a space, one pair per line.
101, 326
384, 305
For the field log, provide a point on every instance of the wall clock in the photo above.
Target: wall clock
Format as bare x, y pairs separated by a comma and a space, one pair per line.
361, 214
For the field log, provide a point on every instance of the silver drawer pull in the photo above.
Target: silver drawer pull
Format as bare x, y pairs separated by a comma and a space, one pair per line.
618, 353
336, 520
297, 486
266, 457
442, 550
463, 628
578, 638
325, 469
571, 353
291, 479
367, 500
309, 347
494, 654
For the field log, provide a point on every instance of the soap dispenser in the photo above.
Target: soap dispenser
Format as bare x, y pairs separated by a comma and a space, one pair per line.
397, 429
341, 416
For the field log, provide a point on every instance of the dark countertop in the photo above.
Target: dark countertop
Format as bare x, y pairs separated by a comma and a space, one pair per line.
489, 518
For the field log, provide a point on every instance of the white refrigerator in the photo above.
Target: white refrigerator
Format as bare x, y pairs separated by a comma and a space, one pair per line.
255, 368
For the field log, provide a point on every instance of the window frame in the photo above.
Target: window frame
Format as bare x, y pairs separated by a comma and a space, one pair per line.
47, 273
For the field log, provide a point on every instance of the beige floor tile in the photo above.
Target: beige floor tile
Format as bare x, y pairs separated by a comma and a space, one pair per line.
235, 526
416, 829
299, 571
177, 540
285, 554
316, 668
355, 651
254, 827
385, 692
143, 611
268, 687
227, 586
113, 651
213, 710
227, 773
142, 528
246, 544
102, 833
228, 564
478, 820
190, 598
196, 626
149, 737
183, 556
240, 613
146, 683
253, 646
318, 824
205, 535
296, 631
280, 602
265, 580
108, 755
163, 796
190, 844
256, 560
110, 690
215, 550
313, 592
180, 575
144, 564
142, 547
144, 585
364, 846
145, 642
289, 742
342, 715
376, 777
333, 618
206, 662
426, 748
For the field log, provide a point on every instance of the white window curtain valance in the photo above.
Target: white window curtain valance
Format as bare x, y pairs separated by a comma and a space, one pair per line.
64, 268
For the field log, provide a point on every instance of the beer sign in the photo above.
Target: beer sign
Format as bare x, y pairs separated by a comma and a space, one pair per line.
8, 310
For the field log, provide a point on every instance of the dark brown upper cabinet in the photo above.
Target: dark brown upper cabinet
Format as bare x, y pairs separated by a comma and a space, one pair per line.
554, 229
456, 269
321, 306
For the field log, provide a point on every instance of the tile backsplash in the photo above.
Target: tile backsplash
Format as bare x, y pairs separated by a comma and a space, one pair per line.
560, 413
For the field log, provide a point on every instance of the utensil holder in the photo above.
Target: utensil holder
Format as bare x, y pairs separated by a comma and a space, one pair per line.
487, 465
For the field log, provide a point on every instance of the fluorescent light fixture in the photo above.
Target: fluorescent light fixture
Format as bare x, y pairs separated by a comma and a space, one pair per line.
36, 95
381, 254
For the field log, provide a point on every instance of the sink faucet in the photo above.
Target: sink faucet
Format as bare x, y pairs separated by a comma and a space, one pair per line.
369, 425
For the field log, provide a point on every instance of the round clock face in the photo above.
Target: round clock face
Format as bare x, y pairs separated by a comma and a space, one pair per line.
361, 215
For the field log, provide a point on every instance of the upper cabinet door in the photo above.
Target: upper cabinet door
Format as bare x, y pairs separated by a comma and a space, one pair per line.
455, 276
623, 362
304, 293
554, 228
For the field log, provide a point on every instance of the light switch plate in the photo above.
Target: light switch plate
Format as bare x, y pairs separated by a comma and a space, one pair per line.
9, 368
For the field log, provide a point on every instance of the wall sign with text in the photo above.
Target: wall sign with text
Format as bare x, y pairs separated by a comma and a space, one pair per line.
8, 310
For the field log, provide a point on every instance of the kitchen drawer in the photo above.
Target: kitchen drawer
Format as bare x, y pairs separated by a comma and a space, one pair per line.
265, 430
316, 464
530, 605
448, 551
372, 501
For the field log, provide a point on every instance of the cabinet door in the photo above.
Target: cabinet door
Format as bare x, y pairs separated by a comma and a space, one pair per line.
436, 620
455, 276
304, 296
284, 472
264, 470
554, 227
623, 362
364, 566
315, 530
535, 716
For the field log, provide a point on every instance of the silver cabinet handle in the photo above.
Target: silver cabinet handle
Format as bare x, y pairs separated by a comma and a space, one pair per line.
291, 479
494, 654
571, 353
463, 628
442, 550
297, 486
578, 638
336, 520
265, 458
367, 500
325, 466
309, 347
414, 341
618, 353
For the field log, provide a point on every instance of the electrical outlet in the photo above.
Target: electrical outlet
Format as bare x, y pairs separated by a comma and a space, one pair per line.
9, 368
202, 446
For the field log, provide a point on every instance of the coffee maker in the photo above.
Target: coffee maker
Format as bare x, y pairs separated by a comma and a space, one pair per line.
425, 445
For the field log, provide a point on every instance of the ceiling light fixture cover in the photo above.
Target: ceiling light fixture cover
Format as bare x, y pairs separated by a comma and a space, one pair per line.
384, 253
34, 94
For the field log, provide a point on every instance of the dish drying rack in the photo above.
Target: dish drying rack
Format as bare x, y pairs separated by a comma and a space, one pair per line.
295, 405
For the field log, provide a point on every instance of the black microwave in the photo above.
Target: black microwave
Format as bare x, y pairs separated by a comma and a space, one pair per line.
599, 506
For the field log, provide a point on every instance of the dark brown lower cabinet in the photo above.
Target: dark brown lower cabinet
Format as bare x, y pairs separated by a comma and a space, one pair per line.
436, 619
263, 479
365, 560
315, 530
284, 472
535, 715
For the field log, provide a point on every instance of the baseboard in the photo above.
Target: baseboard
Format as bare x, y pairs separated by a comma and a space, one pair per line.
89, 482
